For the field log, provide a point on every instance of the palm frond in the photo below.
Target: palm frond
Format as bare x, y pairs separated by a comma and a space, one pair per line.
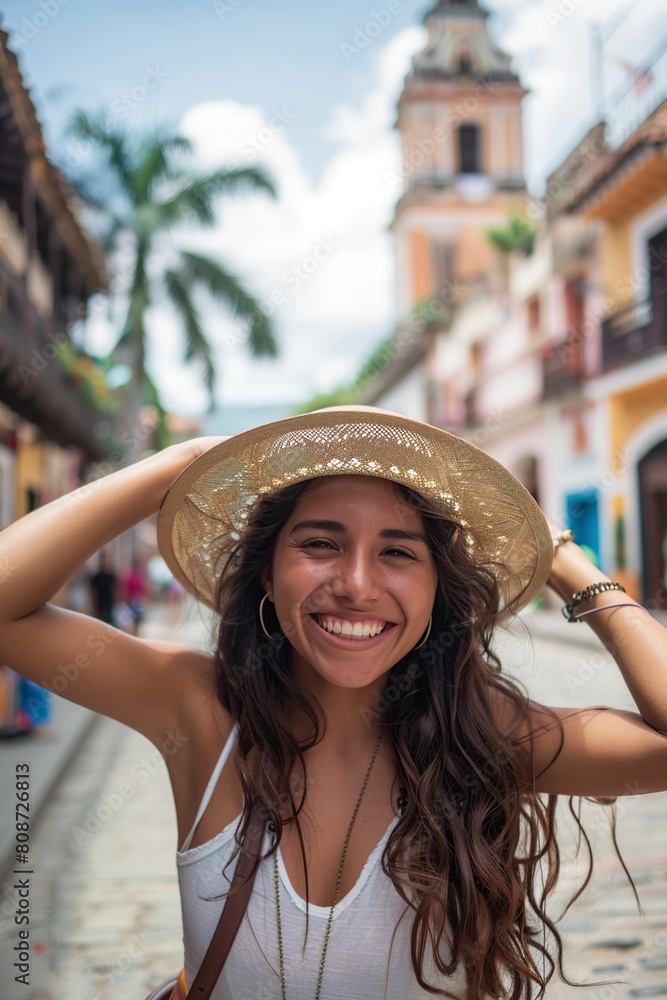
115, 145
240, 178
193, 199
261, 338
197, 345
197, 197
227, 289
156, 163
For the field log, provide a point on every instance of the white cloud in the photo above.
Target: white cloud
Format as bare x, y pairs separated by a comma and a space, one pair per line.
336, 309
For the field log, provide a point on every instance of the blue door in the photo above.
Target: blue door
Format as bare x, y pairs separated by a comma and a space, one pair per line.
582, 517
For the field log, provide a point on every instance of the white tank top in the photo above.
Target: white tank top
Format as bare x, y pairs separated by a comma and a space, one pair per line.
358, 965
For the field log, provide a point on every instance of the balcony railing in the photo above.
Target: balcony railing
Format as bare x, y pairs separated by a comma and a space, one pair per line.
562, 368
635, 100
32, 382
633, 332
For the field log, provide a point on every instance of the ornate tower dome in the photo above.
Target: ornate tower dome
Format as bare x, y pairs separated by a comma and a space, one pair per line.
459, 44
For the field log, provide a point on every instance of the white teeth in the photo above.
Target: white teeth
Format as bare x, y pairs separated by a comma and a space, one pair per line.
356, 630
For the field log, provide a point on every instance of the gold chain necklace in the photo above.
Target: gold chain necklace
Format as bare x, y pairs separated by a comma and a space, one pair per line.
276, 879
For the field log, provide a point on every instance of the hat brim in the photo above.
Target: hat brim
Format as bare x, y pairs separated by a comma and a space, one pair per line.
205, 511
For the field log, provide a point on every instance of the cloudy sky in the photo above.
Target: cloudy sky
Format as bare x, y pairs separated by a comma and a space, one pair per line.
302, 89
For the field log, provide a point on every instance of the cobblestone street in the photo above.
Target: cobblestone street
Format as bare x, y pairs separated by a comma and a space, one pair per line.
105, 877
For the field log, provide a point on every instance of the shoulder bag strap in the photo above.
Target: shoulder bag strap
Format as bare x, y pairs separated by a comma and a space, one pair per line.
233, 910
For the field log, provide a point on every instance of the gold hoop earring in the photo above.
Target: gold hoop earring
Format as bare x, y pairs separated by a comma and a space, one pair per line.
428, 632
261, 618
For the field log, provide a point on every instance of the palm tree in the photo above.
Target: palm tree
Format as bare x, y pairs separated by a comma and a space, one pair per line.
149, 190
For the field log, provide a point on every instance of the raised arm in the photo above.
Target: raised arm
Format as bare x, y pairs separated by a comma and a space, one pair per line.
129, 679
607, 752
634, 638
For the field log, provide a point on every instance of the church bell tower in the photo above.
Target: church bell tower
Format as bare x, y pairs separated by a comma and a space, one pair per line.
459, 116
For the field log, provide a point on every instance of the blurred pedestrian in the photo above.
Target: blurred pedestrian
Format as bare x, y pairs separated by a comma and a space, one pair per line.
134, 587
103, 591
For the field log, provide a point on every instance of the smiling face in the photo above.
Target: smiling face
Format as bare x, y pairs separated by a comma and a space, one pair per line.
353, 580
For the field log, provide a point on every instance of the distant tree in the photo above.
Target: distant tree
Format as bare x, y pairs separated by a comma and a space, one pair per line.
146, 190
518, 234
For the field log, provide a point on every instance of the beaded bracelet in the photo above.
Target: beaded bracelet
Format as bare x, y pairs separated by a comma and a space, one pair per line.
585, 595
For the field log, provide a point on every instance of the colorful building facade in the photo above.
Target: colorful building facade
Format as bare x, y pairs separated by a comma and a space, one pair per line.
48, 271
551, 355
623, 190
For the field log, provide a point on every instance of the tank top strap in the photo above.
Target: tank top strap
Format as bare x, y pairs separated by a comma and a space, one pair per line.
217, 771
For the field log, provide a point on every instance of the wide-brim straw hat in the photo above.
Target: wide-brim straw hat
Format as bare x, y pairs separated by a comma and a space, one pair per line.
207, 508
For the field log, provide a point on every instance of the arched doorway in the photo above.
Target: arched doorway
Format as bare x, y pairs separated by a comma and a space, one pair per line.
652, 471
527, 474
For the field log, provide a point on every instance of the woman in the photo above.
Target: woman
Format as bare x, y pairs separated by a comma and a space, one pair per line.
359, 561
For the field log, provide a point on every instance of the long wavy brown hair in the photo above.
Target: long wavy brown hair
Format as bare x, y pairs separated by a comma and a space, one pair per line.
466, 853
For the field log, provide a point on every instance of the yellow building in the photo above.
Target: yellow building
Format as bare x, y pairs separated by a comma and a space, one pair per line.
623, 188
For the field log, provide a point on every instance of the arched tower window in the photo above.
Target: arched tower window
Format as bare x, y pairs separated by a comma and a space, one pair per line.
464, 61
469, 149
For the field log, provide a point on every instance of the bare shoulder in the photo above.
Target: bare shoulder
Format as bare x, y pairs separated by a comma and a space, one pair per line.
193, 681
201, 727
533, 729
